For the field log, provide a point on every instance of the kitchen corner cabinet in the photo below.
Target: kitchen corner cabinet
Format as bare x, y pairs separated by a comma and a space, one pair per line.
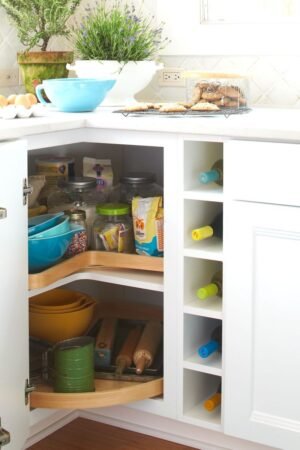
259, 364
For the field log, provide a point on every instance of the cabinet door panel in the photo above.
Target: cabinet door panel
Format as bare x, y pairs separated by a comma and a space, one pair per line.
261, 324
13, 299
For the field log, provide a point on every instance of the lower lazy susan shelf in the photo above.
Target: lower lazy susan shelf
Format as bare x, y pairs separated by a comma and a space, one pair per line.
94, 259
107, 393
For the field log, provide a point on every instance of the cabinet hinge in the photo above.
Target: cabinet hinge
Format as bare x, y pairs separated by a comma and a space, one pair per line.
4, 436
27, 190
28, 389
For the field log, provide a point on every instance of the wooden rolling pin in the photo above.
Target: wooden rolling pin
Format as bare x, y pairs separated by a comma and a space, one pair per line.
104, 341
147, 347
125, 356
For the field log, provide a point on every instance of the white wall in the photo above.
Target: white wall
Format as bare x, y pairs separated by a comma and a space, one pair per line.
274, 81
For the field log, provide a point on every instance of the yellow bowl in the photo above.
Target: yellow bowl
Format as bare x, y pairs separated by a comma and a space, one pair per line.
55, 327
48, 310
57, 300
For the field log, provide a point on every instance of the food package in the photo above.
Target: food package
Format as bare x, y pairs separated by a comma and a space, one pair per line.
100, 169
148, 225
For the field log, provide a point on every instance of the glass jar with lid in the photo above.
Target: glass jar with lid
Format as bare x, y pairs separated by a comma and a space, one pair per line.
112, 229
136, 184
79, 242
77, 193
222, 89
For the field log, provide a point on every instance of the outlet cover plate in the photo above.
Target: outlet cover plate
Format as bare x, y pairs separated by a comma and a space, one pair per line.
9, 77
171, 76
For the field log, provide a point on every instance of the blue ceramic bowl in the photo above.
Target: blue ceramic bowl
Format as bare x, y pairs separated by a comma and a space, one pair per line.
43, 222
61, 227
45, 252
74, 94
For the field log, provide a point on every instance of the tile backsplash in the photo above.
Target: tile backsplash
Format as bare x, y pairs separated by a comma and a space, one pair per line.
274, 81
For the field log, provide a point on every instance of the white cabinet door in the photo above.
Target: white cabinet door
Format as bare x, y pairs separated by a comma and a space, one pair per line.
13, 298
262, 323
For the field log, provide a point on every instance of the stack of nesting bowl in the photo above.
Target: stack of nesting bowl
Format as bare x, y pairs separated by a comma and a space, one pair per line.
49, 236
60, 314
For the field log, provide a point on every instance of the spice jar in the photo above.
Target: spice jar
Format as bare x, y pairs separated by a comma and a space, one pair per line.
136, 184
112, 229
77, 193
79, 242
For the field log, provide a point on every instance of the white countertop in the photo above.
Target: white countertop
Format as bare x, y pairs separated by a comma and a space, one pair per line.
260, 124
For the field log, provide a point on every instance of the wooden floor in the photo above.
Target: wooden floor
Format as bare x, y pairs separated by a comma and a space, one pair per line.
83, 434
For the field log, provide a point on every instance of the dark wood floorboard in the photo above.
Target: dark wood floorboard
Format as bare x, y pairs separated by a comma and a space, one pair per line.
83, 434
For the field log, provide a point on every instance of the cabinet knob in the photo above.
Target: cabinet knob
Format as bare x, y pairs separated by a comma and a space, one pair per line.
3, 213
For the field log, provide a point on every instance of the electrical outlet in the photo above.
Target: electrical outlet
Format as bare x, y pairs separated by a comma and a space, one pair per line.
171, 76
9, 77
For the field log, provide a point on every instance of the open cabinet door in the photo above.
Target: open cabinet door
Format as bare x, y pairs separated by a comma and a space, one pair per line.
14, 353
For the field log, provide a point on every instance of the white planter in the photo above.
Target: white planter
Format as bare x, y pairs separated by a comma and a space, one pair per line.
131, 77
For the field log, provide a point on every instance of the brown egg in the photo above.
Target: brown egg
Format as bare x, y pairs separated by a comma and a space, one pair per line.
22, 100
11, 99
32, 98
3, 101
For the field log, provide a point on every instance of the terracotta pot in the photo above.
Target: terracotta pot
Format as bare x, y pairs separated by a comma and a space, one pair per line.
38, 66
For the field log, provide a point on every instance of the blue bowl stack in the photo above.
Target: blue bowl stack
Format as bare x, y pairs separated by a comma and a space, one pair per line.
49, 236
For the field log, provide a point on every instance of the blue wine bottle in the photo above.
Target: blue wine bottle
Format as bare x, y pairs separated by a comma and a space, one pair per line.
214, 175
214, 345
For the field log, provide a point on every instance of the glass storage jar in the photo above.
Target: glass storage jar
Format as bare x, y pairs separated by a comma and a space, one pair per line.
225, 90
136, 184
79, 242
112, 229
77, 193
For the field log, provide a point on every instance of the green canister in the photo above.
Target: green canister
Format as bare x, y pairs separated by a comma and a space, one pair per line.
73, 365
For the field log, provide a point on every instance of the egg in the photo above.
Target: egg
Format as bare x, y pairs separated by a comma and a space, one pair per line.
11, 99
9, 112
32, 98
3, 101
22, 100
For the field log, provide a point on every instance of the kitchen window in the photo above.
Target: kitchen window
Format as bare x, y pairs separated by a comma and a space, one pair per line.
231, 27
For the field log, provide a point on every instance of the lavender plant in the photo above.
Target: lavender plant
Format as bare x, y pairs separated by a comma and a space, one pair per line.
118, 33
39, 20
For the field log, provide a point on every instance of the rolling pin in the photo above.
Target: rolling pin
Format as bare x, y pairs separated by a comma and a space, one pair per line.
125, 356
105, 341
147, 347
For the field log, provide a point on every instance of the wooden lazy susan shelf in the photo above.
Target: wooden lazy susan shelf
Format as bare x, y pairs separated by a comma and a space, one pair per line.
94, 259
108, 392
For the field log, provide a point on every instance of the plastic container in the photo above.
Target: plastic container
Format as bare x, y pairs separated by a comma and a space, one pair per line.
225, 90
112, 229
136, 184
77, 193
79, 242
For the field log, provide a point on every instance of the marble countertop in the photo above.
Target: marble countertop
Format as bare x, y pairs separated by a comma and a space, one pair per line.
261, 124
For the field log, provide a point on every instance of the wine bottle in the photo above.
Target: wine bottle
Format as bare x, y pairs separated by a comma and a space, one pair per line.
207, 231
214, 345
212, 289
215, 400
215, 174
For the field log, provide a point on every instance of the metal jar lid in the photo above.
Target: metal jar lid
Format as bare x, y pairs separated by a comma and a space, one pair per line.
79, 183
76, 214
138, 178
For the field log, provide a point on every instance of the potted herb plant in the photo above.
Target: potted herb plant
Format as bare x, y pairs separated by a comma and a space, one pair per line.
37, 21
117, 40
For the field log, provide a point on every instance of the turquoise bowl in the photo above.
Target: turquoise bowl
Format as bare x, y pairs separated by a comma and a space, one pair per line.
62, 226
46, 252
74, 94
43, 222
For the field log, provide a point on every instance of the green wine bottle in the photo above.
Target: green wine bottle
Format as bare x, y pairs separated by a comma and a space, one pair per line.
214, 288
